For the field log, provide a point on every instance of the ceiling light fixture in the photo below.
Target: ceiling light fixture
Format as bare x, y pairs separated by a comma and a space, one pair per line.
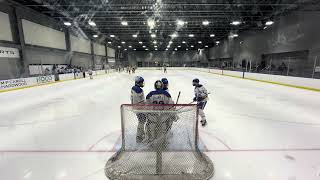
123, 42
206, 46
140, 42
130, 46
235, 23
119, 46
205, 23
174, 35
217, 42
192, 46
135, 35
124, 23
153, 35
151, 23
179, 46
95, 36
144, 46
91, 23
112, 35
191, 35
234, 35
269, 23
109, 42
180, 22
200, 42
170, 42
212, 35
183, 42
154, 42
67, 23
134, 49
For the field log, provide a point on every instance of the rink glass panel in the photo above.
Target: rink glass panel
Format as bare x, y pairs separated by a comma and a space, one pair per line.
169, 151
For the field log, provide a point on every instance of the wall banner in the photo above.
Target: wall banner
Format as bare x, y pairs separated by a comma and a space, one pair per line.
7, 52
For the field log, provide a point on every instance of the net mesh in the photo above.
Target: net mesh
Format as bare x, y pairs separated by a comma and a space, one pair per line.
159, 142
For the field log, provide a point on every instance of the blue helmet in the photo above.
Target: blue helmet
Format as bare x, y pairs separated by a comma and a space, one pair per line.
164, 81
139, 81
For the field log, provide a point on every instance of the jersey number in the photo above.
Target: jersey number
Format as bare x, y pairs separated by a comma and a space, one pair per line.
156, 102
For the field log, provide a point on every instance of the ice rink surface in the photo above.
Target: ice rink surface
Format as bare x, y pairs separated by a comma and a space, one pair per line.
67, 131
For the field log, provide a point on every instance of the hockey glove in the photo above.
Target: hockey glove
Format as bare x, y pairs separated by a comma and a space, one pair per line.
199, 99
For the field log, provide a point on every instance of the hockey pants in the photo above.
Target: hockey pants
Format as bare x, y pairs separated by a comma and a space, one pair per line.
201, 105
141, 123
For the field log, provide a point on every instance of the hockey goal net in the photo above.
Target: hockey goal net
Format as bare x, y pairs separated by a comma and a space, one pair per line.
159, 142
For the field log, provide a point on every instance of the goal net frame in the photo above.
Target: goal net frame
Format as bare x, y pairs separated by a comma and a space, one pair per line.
133, 160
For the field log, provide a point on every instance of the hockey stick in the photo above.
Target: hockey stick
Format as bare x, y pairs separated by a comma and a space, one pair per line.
184, 107
140, 102
178, 97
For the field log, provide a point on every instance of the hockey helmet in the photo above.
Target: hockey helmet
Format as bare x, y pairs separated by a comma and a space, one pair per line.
158, 85
139, 81
195, 82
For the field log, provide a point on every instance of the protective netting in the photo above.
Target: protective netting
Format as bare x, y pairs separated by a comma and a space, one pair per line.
159, 142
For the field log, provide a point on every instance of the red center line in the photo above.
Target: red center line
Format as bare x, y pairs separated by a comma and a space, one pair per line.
209, 150
205, 148
54, 151
268, 150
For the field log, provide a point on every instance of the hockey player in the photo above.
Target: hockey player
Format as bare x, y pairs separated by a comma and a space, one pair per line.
174, 117
158, 124
165, 83
159, 96
137, 97
90, 73
201, 97
129, 69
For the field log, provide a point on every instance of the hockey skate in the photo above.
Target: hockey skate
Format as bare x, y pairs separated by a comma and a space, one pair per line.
203, 122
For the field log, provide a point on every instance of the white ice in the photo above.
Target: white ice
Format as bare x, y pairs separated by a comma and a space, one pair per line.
68, 130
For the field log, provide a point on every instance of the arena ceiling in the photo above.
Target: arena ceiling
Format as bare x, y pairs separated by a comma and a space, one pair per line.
152, 24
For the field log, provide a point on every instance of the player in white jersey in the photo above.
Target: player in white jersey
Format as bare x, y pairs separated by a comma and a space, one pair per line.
158, 124
137, 94
90, 73
201, 97
137, 97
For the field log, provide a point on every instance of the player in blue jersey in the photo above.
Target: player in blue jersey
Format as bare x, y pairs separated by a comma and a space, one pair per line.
159, 124
165, 83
